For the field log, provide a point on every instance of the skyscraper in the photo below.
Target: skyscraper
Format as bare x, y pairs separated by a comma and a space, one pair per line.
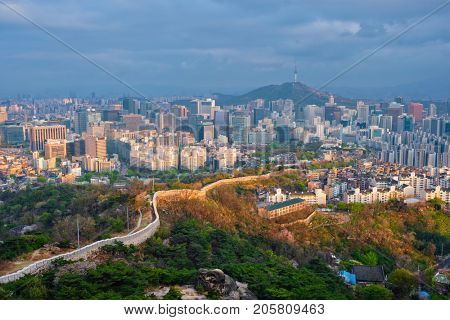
83, 117
96, 147
3, 114
131, 105
204, 106
437, 126
240, 127
165, 121
55, 149
207, 130
12, 134
258, 114
416, 110
39, 134
363, 113
222, 123
179, 111
133, 122
145, 108
386, 122
110, 115
395, 110
432, 110
405, 122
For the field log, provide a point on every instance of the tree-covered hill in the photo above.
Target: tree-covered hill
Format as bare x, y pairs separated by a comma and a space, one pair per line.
300, 93
174, 257
224, 231
31, 218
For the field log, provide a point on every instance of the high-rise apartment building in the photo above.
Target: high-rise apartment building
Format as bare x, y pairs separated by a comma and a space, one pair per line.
165, 122
133, 122
374, 120
225, 158
193, 157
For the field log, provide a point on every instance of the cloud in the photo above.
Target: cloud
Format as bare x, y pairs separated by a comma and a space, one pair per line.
370, 30
219, 43
326, 27
51, 14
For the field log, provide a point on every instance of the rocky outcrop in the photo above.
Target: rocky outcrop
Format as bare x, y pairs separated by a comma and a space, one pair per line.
79, 267
244, 292
215, 280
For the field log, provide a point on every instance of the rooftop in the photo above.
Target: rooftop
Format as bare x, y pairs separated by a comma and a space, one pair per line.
283, 204
368, 273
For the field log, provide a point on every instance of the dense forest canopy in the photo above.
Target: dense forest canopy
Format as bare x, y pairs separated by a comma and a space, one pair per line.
51, 213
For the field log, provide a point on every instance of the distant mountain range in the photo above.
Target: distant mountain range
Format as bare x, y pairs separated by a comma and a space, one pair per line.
300, 93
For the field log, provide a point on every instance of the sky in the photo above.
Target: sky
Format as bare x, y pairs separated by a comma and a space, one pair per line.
197, 47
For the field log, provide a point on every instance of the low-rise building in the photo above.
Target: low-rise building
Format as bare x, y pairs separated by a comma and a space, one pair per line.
282, 208
318, 197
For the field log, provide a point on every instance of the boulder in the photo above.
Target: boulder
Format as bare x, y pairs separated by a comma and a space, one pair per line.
244, 292
217, 281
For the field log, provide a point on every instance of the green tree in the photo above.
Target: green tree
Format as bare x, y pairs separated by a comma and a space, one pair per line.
373, 292
342, 206
33, 289
42, 179
173, 294
117, 224
300, 186
370, 258
403, 283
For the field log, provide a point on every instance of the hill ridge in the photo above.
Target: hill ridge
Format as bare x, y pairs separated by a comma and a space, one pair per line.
300, 93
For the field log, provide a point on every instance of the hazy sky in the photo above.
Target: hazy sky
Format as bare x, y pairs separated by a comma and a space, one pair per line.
204, 46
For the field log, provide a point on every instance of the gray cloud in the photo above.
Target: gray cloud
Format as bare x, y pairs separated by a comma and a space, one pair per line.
202, 46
